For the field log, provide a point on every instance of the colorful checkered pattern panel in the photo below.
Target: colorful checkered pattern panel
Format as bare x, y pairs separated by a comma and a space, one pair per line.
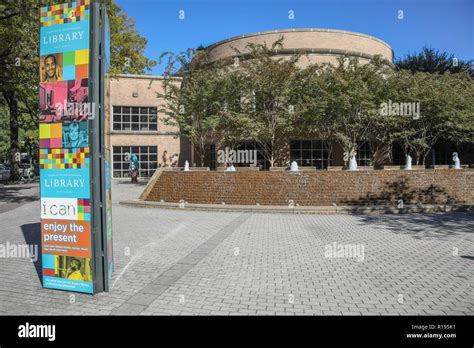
65, 13
50, 135
64, 158
75, 65
83, 210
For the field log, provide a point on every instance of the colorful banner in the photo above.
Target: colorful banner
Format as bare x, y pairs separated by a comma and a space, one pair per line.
76, 209
108, 212
67, 273
64, 158
64, 147
66, 183
65, 101
70, 238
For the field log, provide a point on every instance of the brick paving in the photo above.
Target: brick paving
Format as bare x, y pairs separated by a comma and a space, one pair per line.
192, 263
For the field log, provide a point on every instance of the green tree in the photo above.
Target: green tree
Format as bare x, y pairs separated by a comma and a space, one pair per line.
202, 100
19, 62
235, 124
270, 96
353, 93
431, 60
127, 46
382, 127
446, 106
310, 102
418, 137
19, 72
4, 134
258, 96
459, 125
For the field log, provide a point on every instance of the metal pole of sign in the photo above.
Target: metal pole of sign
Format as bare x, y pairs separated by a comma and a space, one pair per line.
98, 170
94, 137
105, 146
74, 148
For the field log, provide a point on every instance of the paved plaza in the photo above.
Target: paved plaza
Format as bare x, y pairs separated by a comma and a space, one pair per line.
221, 263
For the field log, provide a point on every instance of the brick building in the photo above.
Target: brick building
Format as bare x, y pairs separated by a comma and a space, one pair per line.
135, 125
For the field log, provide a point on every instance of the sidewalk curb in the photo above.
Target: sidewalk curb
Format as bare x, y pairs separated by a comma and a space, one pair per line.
359, 209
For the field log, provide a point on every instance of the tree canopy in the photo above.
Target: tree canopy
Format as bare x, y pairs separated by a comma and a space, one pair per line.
273, 99
431, 60
19, 65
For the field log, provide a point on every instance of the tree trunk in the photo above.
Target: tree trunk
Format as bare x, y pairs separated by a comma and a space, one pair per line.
424, 154
416, 158
12, 100
330, 147
380, 154
202, 147
202, 154
272, 148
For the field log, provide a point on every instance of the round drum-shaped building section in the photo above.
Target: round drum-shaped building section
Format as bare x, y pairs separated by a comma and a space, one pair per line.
316, 45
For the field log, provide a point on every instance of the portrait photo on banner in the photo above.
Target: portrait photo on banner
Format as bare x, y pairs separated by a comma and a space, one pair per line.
72, 268
65, 101
51, 68
75, 134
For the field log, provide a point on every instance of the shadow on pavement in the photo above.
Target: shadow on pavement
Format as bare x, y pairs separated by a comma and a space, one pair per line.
32, 235
14, 194
403, 190
421, 226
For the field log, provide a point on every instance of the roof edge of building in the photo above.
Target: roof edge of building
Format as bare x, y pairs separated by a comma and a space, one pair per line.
277, 31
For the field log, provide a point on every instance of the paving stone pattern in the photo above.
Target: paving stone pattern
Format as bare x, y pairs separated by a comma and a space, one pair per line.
203, 263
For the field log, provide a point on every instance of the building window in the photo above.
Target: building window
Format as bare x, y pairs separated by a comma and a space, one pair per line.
135, 118
442, 158
364, 155
398, 155
262, 162
442, 153
212, 157
310, 153
147, 160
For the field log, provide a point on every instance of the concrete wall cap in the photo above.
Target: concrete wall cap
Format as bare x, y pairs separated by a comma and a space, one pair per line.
277, 31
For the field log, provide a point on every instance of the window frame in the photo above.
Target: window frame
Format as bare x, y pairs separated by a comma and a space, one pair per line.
364, 154
318, 150
139, 118
146, 168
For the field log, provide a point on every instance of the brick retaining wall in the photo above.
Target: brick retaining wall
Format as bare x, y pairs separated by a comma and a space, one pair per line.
316, 188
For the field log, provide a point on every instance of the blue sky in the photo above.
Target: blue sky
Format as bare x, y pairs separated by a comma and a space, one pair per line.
447, 25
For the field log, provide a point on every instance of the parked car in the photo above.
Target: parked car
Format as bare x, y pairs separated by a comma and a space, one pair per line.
4, 172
